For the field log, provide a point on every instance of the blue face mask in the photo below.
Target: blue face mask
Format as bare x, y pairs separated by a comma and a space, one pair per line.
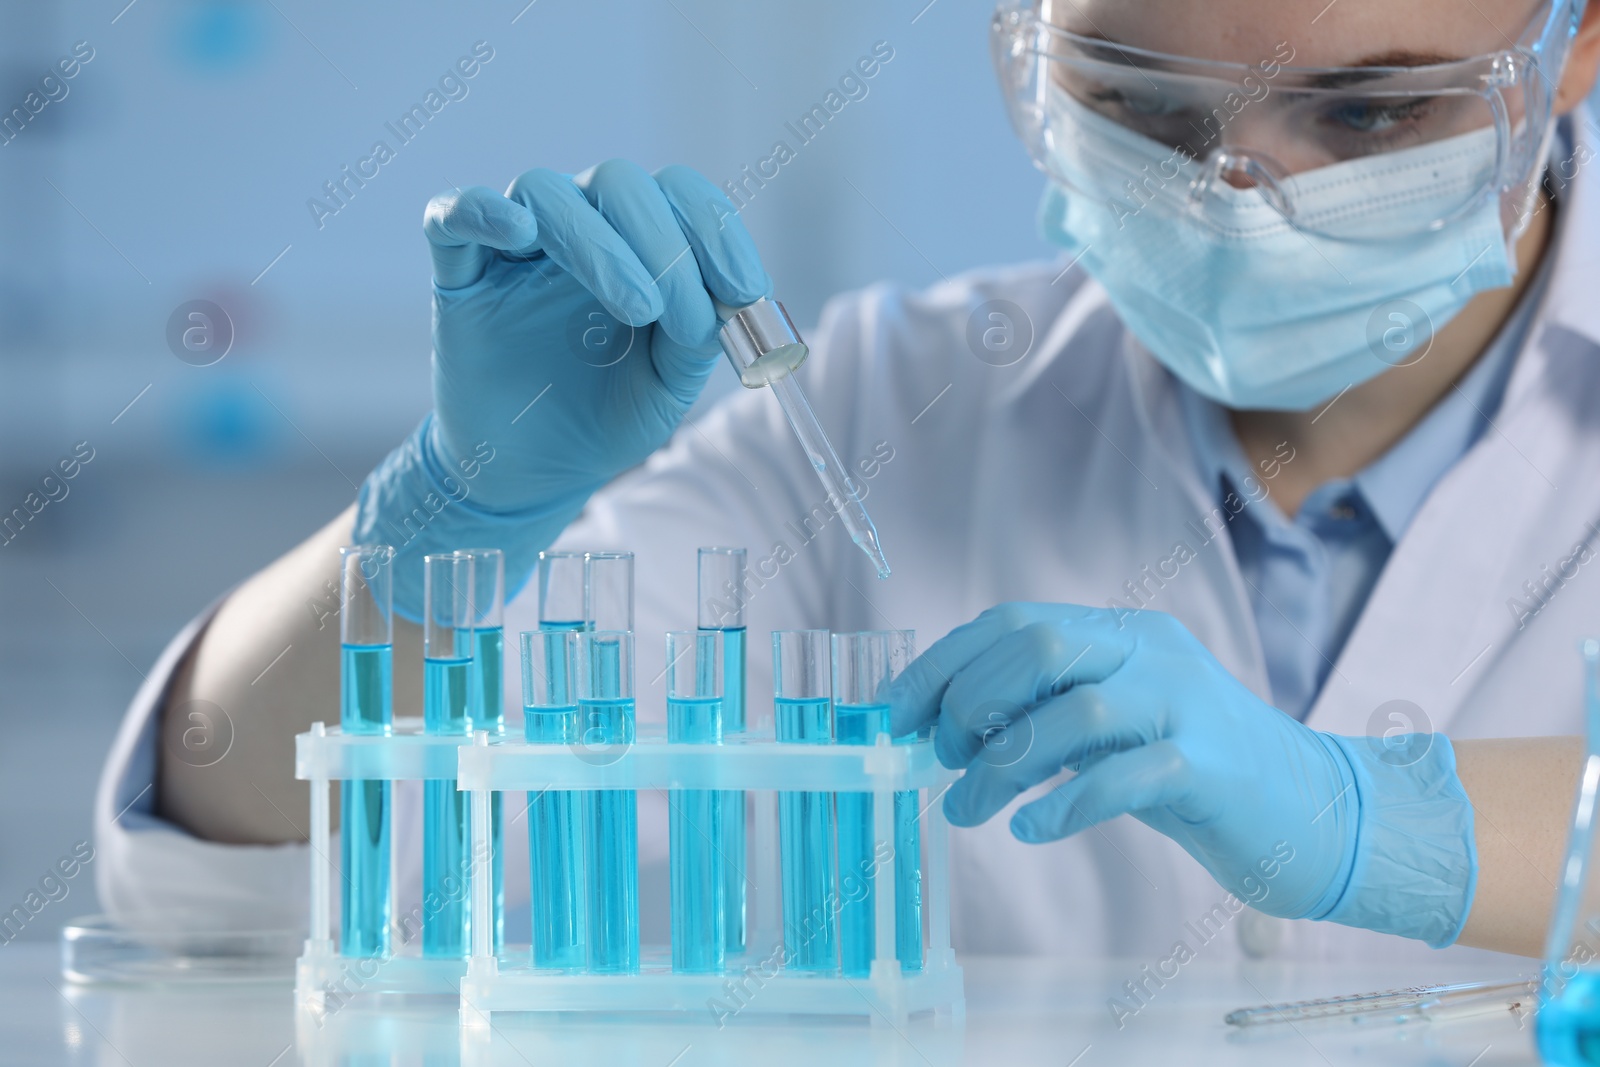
1245, 308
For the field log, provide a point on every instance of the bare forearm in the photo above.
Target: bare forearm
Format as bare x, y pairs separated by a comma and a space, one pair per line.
1521, 792
269, 661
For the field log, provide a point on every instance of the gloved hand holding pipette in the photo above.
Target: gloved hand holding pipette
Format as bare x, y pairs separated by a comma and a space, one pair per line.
544, 301
1355, 830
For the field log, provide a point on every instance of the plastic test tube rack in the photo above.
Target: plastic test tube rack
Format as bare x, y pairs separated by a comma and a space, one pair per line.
324, 757
754, 984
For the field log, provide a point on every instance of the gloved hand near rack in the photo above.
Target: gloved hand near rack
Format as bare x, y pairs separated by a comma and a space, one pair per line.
573, 327
1361, 831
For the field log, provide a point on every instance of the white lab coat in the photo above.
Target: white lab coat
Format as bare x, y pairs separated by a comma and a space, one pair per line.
1059, 478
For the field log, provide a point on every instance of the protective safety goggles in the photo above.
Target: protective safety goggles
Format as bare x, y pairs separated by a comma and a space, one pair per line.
1457, 132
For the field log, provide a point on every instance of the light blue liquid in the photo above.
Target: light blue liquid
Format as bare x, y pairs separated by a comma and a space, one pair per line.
555, 835
907, 881
699, 912
366, 701
488, 697
734, 838
860, 724
805, 837
1568, 1025
611, 847
555, 826
489, 713
446, 866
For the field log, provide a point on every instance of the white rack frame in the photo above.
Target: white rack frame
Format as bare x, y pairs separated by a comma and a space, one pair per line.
489, 984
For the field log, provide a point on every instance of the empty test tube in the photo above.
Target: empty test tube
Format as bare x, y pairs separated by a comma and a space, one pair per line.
555, 830
366, 707
608, 590
863, 666
765, 349
488, 711
695, 715
561, 596
447, 648
721, 609
610, 816
803, 711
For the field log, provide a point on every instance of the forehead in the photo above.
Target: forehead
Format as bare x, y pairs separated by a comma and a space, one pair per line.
1322, 34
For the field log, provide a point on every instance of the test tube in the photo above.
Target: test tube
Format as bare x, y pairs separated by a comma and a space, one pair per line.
606, 719
366, 707
488, 711
561, 597
695, 715
863, 666
800, 692
447, 644
610, 816
555, 832
608, 590
721, 609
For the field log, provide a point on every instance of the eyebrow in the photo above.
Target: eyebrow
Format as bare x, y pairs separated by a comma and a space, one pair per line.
1402, 57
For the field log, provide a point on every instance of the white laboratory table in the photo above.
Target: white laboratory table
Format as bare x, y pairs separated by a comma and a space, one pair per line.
1019, 1012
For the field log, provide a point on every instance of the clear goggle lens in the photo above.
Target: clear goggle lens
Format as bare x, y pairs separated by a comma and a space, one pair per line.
1097, 115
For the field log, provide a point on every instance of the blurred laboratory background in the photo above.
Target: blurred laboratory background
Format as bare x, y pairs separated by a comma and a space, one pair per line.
188, 158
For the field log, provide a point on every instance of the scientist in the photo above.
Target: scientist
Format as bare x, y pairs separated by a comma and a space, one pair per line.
1288, 469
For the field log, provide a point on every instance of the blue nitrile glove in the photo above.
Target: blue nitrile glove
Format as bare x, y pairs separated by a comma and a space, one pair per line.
1361, 831
572, 329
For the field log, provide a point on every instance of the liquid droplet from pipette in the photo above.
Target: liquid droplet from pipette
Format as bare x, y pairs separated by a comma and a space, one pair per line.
867, 541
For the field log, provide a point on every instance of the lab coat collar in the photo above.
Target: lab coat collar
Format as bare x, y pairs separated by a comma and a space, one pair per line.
1437, 624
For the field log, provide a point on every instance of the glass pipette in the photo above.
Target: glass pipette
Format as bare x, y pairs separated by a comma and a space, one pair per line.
1405, 1005
765, 349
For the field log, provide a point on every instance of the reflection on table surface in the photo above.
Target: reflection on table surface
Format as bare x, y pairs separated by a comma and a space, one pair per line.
1019, 1011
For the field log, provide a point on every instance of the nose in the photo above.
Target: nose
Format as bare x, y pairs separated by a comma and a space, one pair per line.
1244, 170
1236, 172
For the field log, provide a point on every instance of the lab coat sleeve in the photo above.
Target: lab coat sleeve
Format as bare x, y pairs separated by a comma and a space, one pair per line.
144, 864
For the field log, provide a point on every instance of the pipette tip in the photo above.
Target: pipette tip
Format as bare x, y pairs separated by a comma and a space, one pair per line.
867, 541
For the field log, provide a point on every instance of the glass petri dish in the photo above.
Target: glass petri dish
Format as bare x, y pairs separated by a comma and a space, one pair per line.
174, 948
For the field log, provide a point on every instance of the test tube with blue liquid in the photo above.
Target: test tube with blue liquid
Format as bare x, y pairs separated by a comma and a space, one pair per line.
610, 816
447, 650
695, 716
555, 817
803, 715
366, 708
488, 710
863, 666
555, 829
721, 609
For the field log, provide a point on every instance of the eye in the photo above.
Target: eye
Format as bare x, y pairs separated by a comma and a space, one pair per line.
1147, 104
1374, 116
